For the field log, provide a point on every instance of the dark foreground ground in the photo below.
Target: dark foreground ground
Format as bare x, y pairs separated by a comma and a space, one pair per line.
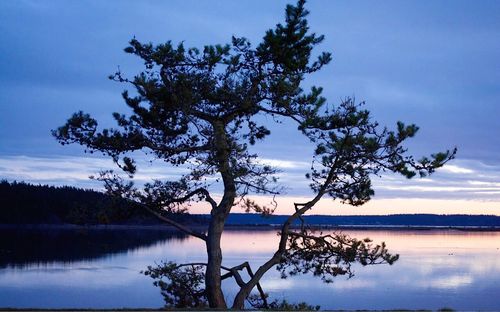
152, 310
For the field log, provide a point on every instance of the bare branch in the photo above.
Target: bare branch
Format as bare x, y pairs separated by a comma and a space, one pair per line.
177, 225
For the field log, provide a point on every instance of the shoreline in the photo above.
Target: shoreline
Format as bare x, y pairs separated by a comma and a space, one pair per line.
246, 227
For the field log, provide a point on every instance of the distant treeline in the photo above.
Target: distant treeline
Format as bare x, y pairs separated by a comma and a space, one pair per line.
389, 220
23, 203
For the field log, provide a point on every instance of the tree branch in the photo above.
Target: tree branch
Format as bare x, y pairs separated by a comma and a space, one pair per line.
200, 190
177, 225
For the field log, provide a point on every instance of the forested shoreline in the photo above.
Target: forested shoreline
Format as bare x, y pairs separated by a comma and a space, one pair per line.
24, 203
385, 221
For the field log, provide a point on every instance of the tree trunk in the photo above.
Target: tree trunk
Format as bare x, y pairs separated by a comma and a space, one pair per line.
239, 300
213, 283
244, 292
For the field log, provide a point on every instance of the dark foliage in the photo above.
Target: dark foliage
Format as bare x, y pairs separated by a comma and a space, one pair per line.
329, 255
23, 203
255, 301
182, 286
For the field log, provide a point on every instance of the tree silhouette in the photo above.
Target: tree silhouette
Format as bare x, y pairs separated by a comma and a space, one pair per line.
200, 108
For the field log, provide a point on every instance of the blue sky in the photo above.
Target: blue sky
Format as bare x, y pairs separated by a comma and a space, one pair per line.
434, 63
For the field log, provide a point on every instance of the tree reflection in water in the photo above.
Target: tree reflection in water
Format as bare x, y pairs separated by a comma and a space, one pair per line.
27, 247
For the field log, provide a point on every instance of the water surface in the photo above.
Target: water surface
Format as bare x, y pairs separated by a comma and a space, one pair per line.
101, 269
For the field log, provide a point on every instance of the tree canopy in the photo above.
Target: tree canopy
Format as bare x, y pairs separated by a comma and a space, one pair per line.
200, 109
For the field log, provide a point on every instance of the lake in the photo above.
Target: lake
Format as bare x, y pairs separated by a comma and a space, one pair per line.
90, 268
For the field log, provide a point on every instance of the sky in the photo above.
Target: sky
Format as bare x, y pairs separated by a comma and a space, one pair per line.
433, 63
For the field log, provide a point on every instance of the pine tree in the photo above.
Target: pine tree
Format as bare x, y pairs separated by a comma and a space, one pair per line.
199, 109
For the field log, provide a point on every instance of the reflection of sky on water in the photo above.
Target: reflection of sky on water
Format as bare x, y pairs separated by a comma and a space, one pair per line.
437, 269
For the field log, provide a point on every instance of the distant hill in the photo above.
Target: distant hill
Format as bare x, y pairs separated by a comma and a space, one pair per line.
389, 220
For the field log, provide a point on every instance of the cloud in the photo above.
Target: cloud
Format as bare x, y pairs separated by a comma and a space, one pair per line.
74, 170
285, 164
464, 180
456, 169
440, 188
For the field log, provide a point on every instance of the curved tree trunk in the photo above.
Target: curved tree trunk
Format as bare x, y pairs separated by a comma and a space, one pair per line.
244, 292
213, 279
213, 284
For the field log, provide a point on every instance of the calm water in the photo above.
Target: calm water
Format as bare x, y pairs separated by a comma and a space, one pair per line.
101, 269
